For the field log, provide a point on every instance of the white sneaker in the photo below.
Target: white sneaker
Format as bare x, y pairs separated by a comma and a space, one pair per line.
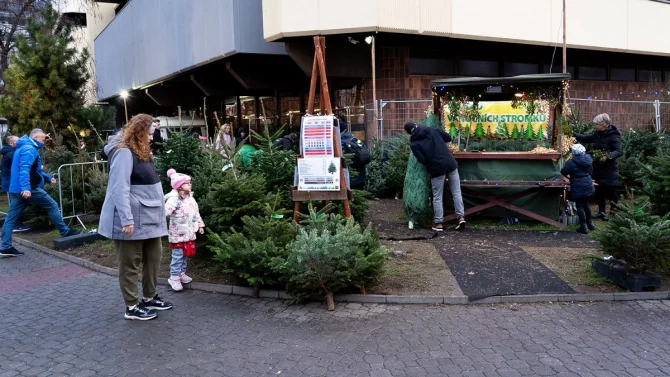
185, 279
175, 283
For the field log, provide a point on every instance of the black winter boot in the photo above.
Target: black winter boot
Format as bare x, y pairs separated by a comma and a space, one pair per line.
583, 229
589, 220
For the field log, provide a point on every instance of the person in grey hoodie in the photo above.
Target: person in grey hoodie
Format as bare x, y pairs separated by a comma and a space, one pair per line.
133, 215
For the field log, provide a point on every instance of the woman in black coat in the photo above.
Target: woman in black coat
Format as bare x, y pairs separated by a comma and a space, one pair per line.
606, 138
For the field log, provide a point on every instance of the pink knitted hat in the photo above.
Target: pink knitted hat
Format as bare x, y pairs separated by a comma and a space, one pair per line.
177, 179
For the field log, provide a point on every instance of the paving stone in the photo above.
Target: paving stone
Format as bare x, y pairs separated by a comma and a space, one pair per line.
212, 334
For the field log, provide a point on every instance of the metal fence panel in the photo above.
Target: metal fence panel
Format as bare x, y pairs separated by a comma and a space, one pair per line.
77, 174
394, 114
638, 115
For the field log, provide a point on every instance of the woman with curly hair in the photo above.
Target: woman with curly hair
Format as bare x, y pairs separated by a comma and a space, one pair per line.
133, 216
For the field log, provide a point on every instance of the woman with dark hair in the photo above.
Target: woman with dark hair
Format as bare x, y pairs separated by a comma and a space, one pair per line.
133, 216
605, 138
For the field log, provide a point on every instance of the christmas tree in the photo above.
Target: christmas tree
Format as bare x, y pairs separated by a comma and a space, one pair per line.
46, 79
522, 132
332, 169
479, 131
417, 190
453, 131
541, 135
529, 135
515, 132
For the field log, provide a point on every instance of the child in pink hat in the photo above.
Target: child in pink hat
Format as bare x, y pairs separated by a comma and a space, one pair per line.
185, 221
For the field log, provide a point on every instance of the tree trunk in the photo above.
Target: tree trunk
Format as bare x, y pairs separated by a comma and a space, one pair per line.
362, 289
256, 291
330, 302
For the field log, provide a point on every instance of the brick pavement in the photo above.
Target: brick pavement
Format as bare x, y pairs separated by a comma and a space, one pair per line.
63, 320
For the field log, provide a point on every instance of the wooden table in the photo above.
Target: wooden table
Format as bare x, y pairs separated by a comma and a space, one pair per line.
505, 201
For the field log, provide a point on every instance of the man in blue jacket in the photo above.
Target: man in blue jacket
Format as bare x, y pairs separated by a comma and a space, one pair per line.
429, 146
7, 153
27, 180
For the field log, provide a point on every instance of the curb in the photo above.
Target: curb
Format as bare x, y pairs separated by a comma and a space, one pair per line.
377, 299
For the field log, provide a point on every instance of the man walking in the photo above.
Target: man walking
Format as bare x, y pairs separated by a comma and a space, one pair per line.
430, 149
157, 141
27, 180
7, 152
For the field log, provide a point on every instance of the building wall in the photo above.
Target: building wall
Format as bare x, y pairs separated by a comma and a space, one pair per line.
637, 26
152, 40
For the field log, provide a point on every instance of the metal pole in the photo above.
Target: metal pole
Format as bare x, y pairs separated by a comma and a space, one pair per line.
374, 84
204, 115
657, 110
125, 106
565, 59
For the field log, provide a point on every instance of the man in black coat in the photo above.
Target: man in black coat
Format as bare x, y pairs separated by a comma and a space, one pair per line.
606, 138
430, 149
157, 141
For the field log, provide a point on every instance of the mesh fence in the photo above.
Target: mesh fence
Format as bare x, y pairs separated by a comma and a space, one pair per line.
394, 114
638, 115
664, 110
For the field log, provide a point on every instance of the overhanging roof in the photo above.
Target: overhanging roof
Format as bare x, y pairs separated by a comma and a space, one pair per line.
479, 81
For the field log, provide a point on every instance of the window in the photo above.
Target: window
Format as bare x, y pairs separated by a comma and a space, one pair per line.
593, 73
622, 74
478, 68
431, 66
648, 74
515, 69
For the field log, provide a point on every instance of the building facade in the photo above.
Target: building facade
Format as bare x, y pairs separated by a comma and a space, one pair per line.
250, 60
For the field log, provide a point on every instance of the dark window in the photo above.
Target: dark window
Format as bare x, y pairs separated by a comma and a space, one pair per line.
431, 66
515, 69
478, 68
592, 73
622, 74
558, 69
647, 74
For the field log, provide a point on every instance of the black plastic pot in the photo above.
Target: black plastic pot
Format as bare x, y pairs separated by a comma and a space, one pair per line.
633, 281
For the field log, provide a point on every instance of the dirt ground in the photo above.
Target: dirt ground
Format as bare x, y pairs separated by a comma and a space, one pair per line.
419, 268
418, 272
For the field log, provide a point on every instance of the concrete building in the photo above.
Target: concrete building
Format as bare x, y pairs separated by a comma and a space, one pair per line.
252, 58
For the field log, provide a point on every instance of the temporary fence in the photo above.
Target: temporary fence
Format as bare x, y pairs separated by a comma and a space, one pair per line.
638, 115
79, 176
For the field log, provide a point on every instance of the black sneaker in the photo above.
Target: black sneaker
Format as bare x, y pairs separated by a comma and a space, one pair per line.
461, 224
156, 303
139, 313
21, 228
11, 252
72, 232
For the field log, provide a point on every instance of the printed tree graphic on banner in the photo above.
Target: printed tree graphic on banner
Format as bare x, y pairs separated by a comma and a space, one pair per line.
541, 135
515, 131
489, 134
332, 169
479, 131
529, 135
501, 131
453, 131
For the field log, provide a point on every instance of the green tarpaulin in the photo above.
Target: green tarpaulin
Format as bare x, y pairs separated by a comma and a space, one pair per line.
545, 203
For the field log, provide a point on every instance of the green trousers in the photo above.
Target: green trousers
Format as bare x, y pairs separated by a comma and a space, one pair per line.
131, 255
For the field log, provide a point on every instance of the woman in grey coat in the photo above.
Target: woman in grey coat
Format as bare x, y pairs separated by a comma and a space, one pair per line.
133, 216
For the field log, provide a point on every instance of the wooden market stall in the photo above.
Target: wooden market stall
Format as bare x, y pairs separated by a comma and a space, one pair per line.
524, 182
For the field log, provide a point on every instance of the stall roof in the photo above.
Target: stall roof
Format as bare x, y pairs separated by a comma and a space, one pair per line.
478, 81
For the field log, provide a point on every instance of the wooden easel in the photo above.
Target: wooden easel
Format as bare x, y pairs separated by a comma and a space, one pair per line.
319, 70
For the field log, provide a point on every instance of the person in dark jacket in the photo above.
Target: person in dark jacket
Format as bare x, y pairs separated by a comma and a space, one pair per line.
157, 140
346, 140
578, 170
606, 138
25, 187
287, 142
7, 152
241, 136
429, 147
